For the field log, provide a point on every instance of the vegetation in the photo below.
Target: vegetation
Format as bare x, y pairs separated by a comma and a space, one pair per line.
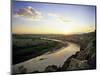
26, 47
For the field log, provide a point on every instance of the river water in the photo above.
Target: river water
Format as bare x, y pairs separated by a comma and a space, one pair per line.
56, 58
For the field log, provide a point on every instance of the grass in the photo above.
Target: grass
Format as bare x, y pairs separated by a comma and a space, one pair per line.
25, 48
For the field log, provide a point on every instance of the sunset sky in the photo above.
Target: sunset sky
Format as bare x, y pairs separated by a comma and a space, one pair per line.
46, 18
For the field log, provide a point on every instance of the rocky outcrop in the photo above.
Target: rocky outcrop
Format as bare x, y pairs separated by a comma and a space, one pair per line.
51, 68
76, 64
84, 59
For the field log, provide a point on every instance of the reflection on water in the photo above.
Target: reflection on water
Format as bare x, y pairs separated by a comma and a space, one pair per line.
41, 62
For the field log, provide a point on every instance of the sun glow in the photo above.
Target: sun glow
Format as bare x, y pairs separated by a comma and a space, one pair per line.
56, 27
52, 19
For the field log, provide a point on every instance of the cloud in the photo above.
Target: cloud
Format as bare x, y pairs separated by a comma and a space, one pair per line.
63, 19
53, 15
28, 13
60, 18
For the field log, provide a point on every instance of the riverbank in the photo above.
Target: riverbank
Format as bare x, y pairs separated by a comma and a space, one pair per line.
82, 60
27, 47
40, 63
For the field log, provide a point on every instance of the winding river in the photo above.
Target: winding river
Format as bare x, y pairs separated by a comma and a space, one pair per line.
56, 58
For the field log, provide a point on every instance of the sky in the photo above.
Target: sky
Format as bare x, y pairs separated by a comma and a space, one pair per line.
50, 18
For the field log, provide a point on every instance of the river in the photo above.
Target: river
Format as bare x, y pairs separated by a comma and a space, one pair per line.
41, 62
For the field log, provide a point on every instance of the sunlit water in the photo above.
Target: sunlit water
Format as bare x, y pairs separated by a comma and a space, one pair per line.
57, 58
